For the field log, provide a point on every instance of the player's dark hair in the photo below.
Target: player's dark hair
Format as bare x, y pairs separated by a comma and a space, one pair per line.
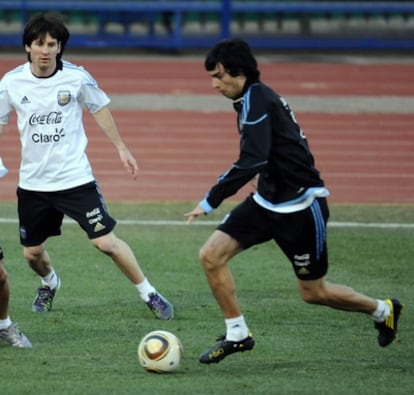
41, 24
236, 57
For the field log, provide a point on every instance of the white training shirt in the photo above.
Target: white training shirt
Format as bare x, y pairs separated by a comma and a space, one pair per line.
49, 119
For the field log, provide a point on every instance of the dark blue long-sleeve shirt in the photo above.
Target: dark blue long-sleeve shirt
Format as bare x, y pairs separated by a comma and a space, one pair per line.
273, 146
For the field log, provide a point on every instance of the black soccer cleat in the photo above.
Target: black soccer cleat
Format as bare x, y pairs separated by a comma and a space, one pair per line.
226, 347
387, 330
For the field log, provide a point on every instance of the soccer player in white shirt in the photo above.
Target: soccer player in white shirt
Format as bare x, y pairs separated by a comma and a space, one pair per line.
56, 179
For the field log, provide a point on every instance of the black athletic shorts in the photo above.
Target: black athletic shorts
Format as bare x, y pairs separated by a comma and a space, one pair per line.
41, 213
301, 235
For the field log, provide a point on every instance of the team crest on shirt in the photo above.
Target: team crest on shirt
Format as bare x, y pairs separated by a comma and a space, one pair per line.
63, 97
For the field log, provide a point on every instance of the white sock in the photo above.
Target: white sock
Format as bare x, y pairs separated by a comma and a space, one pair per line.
382, 312
236, 329
51, 280
5, 323
145, 288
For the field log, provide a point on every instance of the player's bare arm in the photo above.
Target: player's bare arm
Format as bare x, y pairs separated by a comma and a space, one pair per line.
106, 122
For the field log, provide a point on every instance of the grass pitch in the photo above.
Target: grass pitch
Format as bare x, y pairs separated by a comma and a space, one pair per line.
87, 344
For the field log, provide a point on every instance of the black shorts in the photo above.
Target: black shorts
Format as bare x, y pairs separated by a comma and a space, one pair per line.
41, 213
301, 235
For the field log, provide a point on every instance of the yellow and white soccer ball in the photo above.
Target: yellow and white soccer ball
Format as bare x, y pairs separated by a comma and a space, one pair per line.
160, 351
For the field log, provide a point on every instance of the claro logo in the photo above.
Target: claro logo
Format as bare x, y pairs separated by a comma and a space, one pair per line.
52, 118
48, 138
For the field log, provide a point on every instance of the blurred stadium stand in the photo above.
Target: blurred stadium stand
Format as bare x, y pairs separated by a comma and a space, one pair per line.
187, 24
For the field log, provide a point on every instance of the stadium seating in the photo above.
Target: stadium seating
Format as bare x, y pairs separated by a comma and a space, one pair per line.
177, 25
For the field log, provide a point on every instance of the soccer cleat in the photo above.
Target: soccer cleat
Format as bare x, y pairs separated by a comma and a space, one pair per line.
13, 336
387, 330
44, 298
160, 306
226, 347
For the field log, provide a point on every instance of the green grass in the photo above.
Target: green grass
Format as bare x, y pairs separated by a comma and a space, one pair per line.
87, 343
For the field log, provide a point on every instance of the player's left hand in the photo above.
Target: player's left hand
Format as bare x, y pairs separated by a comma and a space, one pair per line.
129, 162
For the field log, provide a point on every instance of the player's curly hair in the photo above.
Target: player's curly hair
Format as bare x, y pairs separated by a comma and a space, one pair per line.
236, 57
41, 24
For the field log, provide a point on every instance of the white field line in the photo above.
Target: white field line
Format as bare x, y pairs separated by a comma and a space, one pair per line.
333, 224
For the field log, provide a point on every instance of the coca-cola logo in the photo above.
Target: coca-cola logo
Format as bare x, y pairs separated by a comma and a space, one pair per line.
52, 118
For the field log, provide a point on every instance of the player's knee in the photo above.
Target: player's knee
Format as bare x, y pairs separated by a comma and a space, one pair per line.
207, 257
203, 254
32, 254
311, 295
314, 291
106, 244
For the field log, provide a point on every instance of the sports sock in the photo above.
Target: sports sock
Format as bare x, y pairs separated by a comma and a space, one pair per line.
145, 288
5, 323
51, 280
236, 329
382, 312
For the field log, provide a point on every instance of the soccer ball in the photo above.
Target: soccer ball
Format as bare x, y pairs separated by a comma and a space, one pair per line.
160, 351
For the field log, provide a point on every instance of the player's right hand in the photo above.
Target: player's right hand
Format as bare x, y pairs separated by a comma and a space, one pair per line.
192, 215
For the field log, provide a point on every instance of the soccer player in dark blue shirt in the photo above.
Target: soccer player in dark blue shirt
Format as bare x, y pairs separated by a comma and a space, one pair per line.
289, 205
